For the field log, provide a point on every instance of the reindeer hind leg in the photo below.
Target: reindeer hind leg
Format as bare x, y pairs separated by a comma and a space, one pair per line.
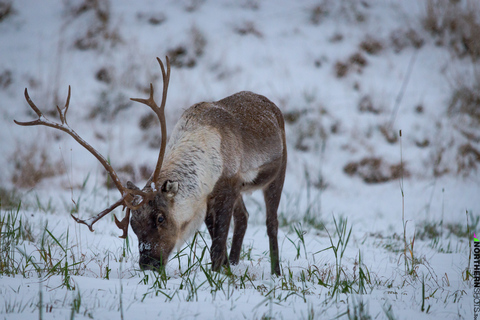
272, 193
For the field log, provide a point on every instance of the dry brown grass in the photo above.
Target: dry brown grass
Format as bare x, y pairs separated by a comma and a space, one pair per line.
455, 24
371, 45
6, 9
375, 170
468, 157
404, 38
99, 30
466, 101
356, 62
366, 105
248, 28
32, 165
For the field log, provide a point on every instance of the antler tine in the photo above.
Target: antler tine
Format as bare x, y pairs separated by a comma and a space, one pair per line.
63, 115
89, 222
123, 225
32, 105
160, 112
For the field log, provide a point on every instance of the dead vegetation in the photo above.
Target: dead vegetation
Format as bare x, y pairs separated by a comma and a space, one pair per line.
375, 170
349, 10
366, 105
128, 172
455, 24
6, 79
464, 112
9, 199
371, 45
152, 18
468, 157
390, 135
109, 104
186, 56
405, 38
100, 30
248, 28
355, 63
6, 9
466, 101
33, 164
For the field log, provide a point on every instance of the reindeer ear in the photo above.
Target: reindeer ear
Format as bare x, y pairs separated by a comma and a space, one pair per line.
170, 188
130, 185
148, 187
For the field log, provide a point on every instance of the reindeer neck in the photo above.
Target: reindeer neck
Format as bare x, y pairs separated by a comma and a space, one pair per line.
192, 164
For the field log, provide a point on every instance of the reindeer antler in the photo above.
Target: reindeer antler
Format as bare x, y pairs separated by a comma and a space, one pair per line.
126, 193
160, 112
42, 120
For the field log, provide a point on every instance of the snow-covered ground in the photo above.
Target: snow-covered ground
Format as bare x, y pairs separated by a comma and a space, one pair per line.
348, 75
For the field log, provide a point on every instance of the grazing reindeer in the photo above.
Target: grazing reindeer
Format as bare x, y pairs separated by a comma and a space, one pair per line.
217, 151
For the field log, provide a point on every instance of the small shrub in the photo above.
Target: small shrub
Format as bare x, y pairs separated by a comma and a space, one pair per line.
422, 143
318, 13
355, 62
467, 158
6, 79
366, 105
6, 9
371, 45
186, 56
180, 58
147, 122
388, 133
341, 69
193, 5
292, 117
109, 104
358, 59
440, 168
401, 39
309, 133
199, 41
337, 37
375, 170
248, 28
99, 30
153, 18
104, 75
466, 100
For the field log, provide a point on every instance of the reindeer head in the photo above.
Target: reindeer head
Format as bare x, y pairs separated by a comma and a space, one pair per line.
154, 226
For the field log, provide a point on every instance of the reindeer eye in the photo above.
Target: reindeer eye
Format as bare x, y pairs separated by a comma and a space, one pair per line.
160, 219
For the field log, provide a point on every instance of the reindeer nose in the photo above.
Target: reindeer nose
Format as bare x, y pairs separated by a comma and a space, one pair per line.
145, 262
144, 247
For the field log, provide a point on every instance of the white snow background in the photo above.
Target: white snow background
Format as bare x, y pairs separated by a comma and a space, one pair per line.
348, 75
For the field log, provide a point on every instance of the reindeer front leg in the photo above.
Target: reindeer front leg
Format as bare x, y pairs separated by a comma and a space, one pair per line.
210, 222
219, 215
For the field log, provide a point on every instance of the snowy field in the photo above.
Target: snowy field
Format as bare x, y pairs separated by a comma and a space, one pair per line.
373, 225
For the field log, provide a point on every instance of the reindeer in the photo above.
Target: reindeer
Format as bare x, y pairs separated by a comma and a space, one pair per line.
217, 151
